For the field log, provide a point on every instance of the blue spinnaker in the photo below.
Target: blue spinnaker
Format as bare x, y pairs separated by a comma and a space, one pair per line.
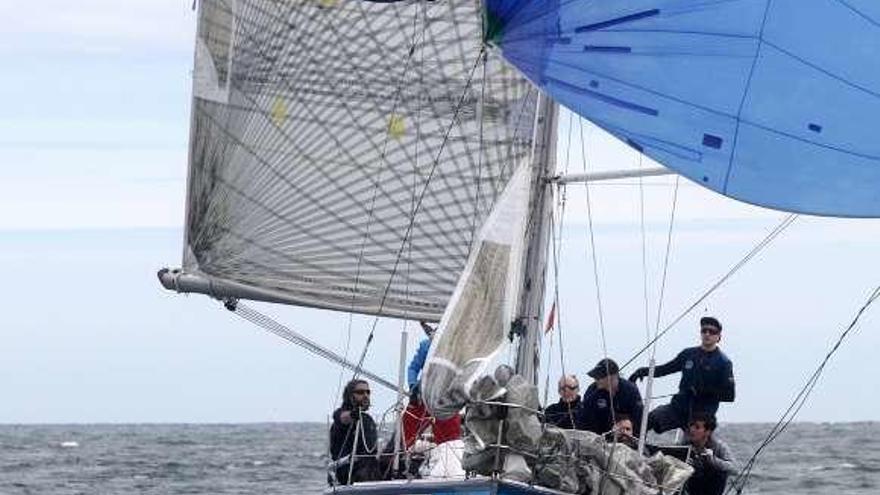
772, 102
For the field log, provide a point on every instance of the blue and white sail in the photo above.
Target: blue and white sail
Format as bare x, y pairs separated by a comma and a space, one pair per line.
772, 102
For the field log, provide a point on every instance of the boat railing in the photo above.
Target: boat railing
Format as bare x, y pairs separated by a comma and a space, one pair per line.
407, 454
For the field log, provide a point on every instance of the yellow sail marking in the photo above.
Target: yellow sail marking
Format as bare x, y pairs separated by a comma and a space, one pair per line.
396, 126
279, 111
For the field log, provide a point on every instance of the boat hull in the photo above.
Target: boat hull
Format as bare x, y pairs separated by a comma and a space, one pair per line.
451, 487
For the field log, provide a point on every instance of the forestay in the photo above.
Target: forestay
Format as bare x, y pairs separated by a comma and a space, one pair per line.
344, 153
773, 102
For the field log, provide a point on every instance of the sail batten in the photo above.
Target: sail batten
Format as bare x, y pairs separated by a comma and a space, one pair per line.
344, 154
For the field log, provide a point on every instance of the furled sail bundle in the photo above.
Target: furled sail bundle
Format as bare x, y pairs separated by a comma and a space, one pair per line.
772, 102
475, 324
344, 154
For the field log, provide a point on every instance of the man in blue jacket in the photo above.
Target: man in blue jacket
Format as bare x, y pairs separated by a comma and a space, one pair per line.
706, 380
606, 398
418, 360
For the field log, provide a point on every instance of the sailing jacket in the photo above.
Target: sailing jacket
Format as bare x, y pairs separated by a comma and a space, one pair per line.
706, 379
710, 471
595, 412
342, 437
562, 413
417, 363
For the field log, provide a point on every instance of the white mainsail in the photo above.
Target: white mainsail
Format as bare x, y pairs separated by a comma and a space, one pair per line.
344, 154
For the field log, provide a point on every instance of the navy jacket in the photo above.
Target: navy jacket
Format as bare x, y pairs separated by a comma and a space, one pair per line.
417, 363
561, 414
706, 379
595, 412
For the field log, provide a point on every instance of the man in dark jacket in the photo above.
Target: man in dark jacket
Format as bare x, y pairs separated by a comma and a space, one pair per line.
608, 397
562, 413
706, 380
353, 426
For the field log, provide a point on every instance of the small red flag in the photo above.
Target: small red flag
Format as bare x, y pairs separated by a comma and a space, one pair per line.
551, 319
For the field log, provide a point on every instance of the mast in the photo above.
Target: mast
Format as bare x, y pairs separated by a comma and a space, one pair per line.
531, 305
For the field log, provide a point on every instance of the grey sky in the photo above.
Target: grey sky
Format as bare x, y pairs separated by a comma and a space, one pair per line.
94, 125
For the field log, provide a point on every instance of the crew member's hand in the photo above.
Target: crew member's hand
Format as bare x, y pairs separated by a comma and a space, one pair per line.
415, 393
638, 374
345, 417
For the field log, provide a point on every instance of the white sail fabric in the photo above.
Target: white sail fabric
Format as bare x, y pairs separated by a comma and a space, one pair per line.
476, 322
345, 153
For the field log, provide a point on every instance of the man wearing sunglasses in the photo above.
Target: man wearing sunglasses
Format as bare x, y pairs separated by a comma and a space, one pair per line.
353, 426
706, 380
563, 413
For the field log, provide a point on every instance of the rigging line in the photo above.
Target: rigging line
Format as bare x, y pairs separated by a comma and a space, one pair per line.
554, 310
371, 211
479, 178
592, 240
666, 256
644, 249
649, 386
563, 200
556, 232
418, 204
784, 224
557, 255
800, 399
272, 326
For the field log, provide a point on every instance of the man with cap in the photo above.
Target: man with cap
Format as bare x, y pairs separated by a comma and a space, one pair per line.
706, 380
562, 413
606, 398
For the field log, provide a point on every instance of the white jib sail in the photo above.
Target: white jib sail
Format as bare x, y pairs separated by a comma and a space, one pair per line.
476, 321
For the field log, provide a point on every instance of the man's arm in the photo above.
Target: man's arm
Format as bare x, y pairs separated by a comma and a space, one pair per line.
342, 416
722, 458
418, 362
584, 417
728, 386
671, 367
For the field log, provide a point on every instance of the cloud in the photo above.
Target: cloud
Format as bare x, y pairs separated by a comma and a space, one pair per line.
97, 25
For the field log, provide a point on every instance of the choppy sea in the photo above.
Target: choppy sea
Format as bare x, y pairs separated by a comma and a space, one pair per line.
288, 458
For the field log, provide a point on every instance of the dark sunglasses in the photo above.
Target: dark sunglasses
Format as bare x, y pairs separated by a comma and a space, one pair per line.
570, 387
362, 392
710, 330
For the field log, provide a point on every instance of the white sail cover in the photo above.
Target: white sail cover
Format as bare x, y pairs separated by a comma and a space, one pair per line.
476, 322
344, 153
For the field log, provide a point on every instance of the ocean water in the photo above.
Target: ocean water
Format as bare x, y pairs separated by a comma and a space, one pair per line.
288, 458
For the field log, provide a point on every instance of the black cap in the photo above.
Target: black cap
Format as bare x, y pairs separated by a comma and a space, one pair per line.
604, 368
708, 321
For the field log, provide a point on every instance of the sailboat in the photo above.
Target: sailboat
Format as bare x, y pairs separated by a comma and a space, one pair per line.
396, 158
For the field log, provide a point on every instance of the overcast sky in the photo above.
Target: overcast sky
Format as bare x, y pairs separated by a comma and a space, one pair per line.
93, 131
